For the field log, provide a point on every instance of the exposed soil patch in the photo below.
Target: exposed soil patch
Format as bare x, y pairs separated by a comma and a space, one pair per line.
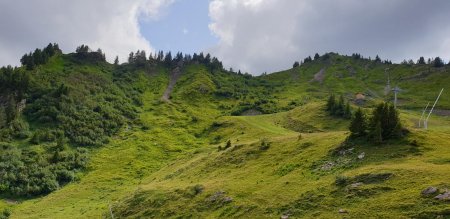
319, 76
251, 112
174, 75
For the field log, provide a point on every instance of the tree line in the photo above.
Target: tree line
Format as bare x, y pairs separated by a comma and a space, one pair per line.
39, 56
140, 58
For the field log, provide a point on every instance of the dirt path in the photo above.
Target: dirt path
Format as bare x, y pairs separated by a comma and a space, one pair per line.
174, 75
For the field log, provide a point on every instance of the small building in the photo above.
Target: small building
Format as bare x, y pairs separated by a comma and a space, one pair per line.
360, 98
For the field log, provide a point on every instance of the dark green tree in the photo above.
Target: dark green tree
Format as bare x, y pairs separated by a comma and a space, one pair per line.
377, 59
11, 110
116, 60
2, 118
296, 64
331, 103
437, 62
387, 118
347, 111
421, 61
316, 56
358, 125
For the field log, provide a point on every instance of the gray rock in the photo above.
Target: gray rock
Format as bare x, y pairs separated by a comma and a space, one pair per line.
327, 166
362, 155
284, 217
430, 190
227, 199
356, 185
443, 197
343, 211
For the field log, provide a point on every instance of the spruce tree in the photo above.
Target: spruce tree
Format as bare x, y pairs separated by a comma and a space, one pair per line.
331, 103
385, 123
11, 110
340, 107
358, 124
116, 60
347, 111
316, 56
377, 134
2, 118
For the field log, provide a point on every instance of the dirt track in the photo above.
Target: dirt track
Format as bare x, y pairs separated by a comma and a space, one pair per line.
174, 75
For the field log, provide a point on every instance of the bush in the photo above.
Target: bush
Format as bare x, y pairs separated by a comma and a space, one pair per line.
30, 173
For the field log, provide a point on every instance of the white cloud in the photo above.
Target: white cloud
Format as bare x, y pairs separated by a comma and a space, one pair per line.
112, 25
269, 35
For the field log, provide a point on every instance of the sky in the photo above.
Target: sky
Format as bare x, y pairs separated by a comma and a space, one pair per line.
254, 36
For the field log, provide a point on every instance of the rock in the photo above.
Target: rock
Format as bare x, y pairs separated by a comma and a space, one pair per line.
343, 211
284, 217
430, 190
227, 200
327, 166
356, 185
443, 197
362, 155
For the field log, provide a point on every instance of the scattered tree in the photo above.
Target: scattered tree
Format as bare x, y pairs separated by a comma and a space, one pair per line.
296, 64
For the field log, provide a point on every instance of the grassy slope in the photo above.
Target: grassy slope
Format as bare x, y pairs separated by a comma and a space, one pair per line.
159, 165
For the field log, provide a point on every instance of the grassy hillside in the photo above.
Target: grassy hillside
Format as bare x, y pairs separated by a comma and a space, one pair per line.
287, 155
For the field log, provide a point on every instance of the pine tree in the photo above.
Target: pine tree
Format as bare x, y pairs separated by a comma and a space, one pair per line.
358, 124
11, 110
296, 64
331, 103
377, 135
316, 56
347, 111
340, 107
116, 60
2, 118
377, 59
421, 61
437, 62
387, 118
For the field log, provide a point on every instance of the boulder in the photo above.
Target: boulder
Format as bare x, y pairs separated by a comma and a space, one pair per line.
356, 185
428, 191
343, 211
443, 197
362, 155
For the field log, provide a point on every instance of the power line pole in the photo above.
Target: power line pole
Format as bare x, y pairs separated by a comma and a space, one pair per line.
423, 113
396, 90
426, 121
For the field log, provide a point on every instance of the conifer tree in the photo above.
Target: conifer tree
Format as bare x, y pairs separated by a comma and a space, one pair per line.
2, 118
347, 111
421, 61
116, 60
358, 124
316, 56
331, 103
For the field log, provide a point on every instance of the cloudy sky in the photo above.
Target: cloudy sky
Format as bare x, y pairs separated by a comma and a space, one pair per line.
252, 35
